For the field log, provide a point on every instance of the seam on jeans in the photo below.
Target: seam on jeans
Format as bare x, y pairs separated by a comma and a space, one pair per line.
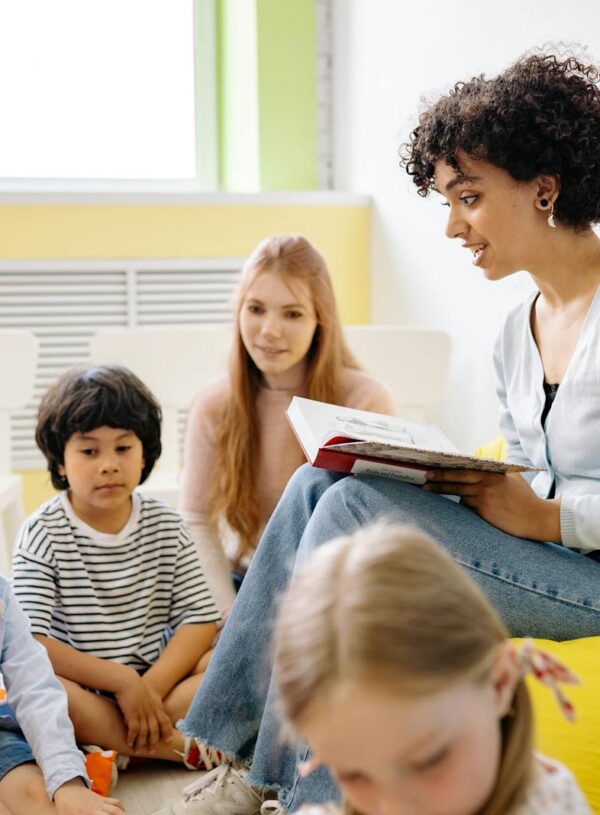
571, 603
286, 800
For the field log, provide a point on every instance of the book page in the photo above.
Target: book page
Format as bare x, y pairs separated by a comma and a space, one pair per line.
317, 424
391, 430
428, 458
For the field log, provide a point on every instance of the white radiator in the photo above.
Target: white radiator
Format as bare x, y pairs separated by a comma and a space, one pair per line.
65, 302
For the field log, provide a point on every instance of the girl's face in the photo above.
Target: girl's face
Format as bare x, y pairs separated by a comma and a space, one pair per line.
436, 754
494, 216
277, 325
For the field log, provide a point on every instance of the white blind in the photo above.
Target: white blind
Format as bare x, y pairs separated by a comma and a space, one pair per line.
65, 303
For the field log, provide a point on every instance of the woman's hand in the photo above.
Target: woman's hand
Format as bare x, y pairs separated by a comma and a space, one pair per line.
74, 798
143, 711
504, 500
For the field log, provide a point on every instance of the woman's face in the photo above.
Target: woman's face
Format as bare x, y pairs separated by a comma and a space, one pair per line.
391, 754
493, 215
277, 325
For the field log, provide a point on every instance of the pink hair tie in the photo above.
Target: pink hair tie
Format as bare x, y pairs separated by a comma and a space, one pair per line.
550, 671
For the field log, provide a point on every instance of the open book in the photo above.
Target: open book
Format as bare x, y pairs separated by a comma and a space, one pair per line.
358, 441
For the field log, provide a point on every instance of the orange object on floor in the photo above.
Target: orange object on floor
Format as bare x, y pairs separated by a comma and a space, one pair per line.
102, 770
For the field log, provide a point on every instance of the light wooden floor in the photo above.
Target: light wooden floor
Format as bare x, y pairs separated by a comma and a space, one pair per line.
146, 788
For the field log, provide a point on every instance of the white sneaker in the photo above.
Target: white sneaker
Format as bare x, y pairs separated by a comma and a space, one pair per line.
223, 791
272, 807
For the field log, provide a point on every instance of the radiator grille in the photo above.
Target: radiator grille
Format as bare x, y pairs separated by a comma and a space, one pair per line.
65, 303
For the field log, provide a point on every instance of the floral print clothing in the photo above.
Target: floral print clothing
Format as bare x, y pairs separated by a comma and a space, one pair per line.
554, 792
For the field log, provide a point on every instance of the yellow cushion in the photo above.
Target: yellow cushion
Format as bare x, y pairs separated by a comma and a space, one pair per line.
575, 744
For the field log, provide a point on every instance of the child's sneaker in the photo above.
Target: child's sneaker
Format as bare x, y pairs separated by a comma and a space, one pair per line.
197, 756
223, 791
274, 807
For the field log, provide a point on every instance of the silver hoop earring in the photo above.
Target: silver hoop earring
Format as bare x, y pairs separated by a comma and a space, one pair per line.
551, 221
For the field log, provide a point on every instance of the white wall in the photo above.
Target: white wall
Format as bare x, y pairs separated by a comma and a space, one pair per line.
387, 55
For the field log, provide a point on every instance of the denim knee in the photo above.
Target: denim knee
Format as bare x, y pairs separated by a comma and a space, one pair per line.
340, 509
308, 479
366, 499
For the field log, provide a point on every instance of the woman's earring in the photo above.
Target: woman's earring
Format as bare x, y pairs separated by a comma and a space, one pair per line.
544, 205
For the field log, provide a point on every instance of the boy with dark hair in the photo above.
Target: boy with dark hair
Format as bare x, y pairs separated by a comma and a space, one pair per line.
110, 578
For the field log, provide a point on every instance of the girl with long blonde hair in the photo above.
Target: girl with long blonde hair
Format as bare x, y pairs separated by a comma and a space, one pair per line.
395, 669
239, 450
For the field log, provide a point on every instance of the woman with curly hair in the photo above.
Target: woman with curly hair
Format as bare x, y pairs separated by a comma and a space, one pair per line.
517, 160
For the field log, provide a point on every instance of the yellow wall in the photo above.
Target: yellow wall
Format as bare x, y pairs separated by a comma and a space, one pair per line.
98, 231
341, 233
37, 488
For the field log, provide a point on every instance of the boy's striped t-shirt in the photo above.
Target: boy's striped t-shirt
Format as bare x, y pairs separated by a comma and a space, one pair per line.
113, 596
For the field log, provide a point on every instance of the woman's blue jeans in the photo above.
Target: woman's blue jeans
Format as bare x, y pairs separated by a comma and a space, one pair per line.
540, 589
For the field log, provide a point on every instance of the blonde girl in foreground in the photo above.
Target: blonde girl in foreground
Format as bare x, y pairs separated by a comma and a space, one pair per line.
397, 672
239, 449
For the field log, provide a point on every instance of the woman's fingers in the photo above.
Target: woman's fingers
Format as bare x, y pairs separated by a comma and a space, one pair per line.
468, 483
454, 488
461, 476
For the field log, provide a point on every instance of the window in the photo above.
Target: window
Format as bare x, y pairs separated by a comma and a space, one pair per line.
107, 93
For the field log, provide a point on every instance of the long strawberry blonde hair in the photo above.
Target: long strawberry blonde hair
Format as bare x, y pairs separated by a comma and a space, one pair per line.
232, 496
389, 606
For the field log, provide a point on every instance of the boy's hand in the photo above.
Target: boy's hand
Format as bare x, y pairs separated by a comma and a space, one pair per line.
144, 713
74, 798
165, 726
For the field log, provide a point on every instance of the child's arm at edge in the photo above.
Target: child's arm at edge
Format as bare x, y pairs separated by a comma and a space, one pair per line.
38, 699
73, 798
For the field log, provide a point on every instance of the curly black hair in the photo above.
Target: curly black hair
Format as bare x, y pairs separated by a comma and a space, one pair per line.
83, 399
541, 116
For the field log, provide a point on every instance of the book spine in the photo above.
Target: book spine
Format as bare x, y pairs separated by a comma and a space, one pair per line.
338, 462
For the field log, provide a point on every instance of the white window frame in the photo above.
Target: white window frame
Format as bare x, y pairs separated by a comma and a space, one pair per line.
206, 127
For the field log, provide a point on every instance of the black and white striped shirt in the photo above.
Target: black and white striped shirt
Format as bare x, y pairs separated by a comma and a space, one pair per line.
112, 596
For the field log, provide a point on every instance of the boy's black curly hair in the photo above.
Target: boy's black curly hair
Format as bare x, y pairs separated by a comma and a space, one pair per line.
83, 399
541, 116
